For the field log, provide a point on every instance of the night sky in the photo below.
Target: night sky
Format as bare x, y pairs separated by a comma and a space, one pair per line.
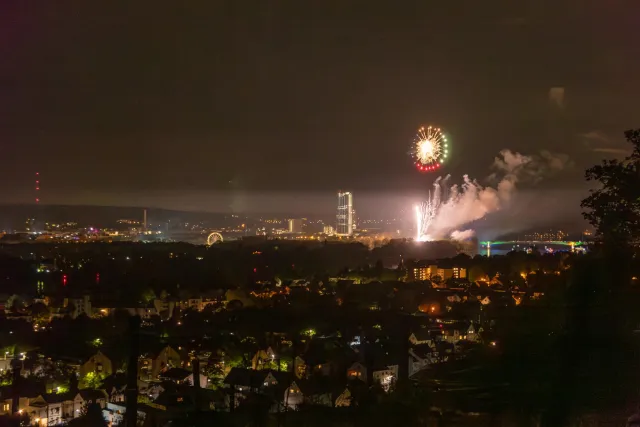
275, 105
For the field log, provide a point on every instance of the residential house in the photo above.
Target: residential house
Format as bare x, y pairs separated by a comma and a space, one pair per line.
245, 381
19, 315
87, 396
99, 363
78, 306
55, 409
51, 409
182, 376
537, 295
27, 394
344, 399
145, 311
164, 307
192, 304
455, 298
473, 333
153, 390
317, 391
293, 396
262, 358
386, 376
300, 367
152, 364
484, 300
421, 337
357, 371
316, 363
117, 394
113, 413
453, 334
420, 357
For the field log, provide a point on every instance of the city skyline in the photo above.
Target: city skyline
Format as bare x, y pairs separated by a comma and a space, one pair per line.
336, 213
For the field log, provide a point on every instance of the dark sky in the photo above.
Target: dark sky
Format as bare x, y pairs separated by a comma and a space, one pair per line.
169, 103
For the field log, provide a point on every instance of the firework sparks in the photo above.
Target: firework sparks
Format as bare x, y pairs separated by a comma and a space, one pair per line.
430, 149
425, 213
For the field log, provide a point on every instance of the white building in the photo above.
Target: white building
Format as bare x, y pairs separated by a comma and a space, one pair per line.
345, 217
79, 306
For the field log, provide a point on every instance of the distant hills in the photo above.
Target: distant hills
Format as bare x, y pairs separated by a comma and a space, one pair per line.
14, 216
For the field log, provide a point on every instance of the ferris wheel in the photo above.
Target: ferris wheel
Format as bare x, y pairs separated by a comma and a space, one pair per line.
213, 238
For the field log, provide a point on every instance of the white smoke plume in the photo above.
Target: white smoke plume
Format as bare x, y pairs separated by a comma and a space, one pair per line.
463, 235
471, 201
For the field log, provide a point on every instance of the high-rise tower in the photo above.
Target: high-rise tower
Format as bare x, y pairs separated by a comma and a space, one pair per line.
344, 223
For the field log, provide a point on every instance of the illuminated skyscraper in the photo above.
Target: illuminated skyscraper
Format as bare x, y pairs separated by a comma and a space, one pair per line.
345, 220
353, 220
295, 226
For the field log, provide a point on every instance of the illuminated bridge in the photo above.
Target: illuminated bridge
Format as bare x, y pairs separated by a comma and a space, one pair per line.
502, 247
531, 243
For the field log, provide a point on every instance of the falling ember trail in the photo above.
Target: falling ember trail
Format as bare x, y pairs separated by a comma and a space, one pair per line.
425, 212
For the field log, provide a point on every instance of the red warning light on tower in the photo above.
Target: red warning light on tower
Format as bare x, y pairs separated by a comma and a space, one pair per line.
37, 187
64, 280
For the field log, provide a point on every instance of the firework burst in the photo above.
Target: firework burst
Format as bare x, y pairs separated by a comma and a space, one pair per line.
430, 149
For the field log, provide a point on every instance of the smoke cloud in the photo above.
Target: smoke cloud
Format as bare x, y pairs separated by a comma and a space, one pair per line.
463, 235
460, 205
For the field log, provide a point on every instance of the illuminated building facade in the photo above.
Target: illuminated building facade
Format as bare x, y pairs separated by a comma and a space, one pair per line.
459, 273
353, 220
546, 236
30, 224
425, 273
295, 226
345, 220
432, 271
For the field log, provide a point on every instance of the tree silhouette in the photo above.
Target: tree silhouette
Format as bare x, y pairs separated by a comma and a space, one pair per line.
91, 418
614, 209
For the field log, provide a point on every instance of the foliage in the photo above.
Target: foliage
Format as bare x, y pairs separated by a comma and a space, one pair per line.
6, 378
92, 380
147, 295
614, 208
569, 353
143, 398
61, 389
92, 417
309, 332
215, 374
476, 273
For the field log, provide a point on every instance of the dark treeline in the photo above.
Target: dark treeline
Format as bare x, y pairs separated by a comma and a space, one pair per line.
168, 266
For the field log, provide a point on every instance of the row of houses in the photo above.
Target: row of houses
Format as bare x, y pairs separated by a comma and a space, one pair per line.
49, 409
75, 306
150, 365
318, 378
288, 391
